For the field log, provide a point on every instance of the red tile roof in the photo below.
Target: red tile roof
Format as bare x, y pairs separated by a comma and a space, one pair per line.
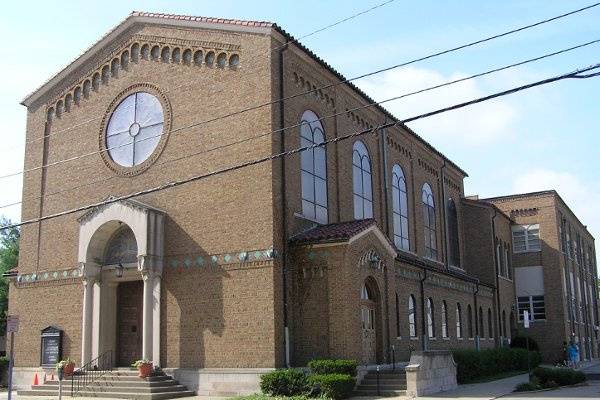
262, 24
333, 232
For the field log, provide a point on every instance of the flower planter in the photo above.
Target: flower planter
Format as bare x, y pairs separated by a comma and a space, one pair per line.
145, 370
68, 369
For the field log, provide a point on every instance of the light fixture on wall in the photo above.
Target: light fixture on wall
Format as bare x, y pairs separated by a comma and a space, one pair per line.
119, 270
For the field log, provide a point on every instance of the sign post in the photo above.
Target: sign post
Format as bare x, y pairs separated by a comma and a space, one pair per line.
526, 323
12, 326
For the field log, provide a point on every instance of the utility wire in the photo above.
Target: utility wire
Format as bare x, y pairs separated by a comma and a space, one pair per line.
176, 130
258, 69
423, 58
575, 74
488, 72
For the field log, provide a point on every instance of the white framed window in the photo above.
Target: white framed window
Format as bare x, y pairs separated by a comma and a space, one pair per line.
429, 222
400, 208
362, 186
412, 312
444, 320
313, 169
534, 304
526, 238
430, 318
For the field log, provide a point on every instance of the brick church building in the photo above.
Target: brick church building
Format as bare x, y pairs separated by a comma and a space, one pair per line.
364, 248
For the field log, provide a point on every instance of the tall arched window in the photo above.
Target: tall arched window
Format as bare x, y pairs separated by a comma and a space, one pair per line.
444, 320
458, 321
400, 208
429, 222
430, 318
412, 312
121, 247
313, 169
490, 326
453, 243
361, 181
470, 320
481, 323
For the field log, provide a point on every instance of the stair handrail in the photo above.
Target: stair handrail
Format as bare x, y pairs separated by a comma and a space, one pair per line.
92, 371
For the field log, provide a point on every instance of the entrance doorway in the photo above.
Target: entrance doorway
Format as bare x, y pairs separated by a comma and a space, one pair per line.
368, 325
129, 322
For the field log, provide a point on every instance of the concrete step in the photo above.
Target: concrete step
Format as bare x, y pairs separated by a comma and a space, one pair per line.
136, 389
115, 394
120, 382
385, 393
381, 387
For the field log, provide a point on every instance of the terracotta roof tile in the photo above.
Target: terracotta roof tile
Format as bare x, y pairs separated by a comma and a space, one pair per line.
333, 232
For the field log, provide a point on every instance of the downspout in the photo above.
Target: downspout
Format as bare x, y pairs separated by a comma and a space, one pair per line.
477, 337
425, 341
499, 343
444, 216
286, 339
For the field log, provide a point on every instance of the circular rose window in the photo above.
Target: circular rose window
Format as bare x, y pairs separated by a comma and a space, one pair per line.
134, 129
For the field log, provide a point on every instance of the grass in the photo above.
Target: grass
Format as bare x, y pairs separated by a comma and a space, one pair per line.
501, 375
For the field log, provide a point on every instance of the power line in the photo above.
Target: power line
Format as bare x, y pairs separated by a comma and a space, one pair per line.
353, 16
423, 58
170, 185
174, 131
488, 72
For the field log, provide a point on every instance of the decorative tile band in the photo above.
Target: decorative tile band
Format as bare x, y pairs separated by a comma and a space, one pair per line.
49, 275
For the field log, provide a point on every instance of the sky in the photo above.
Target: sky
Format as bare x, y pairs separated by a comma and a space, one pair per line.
544, 138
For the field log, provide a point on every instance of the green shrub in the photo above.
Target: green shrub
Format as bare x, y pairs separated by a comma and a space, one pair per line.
323, 367
335, 386
284, 382
527, 387
521, 343
558, 376
473, 364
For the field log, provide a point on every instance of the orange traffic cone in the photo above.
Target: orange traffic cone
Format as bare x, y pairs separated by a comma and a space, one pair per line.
35, 380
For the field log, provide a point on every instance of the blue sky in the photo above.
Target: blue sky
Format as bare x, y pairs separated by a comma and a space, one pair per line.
541, 139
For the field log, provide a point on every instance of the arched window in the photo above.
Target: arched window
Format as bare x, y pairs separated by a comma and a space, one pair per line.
429, 222
444, 320
121, 247
490, 326
398, 334
430, 318
361, 181
313, 169
503, 323
453, 243
458, 321
367, 313
470, 321
412, 312
481, 323
400, 208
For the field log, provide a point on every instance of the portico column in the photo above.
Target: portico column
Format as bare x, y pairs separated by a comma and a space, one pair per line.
156, 320
147, 323
89, 274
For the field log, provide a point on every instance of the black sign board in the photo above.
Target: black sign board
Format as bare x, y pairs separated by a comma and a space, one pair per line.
51, 349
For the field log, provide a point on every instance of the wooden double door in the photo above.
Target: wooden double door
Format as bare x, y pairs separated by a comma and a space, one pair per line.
129, 322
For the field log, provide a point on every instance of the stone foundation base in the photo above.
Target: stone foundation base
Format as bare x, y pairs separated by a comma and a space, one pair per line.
219, 381
430, 372
24, 377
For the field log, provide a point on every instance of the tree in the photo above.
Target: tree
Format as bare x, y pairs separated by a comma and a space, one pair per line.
9, 256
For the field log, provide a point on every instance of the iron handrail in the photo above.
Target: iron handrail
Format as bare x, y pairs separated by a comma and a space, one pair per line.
90, 372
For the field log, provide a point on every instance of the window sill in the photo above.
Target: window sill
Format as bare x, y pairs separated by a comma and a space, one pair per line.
446, 338
505, 278
432, 339
414, 338
302, 216
460, 338
527, 251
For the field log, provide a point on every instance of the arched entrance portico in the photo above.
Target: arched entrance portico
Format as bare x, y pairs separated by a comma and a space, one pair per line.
370, 321
121, 243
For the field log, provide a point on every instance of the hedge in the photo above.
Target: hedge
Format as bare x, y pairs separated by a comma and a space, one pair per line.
521, 343
473, 364
558, 376
284, 382
322, 367
334, 386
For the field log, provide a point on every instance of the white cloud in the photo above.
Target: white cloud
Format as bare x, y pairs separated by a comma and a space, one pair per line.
477, 125
582, 198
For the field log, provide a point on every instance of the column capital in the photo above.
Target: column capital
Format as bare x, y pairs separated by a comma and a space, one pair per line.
89, 272
150, 266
